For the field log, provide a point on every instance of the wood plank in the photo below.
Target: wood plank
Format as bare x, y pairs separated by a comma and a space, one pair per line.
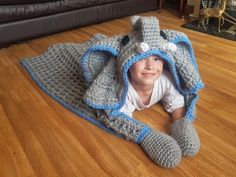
13, 160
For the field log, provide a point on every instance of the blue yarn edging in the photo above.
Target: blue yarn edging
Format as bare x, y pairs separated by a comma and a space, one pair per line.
125, 116
103, 106
144, 131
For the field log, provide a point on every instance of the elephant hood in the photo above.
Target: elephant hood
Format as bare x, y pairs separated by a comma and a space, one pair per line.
106, 63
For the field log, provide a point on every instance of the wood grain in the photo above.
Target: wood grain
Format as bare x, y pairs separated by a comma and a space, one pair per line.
39, 137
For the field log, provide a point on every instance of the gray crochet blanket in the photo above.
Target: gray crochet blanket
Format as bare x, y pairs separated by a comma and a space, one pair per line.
91, 79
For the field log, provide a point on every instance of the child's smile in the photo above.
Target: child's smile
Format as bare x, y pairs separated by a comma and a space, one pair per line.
146, 71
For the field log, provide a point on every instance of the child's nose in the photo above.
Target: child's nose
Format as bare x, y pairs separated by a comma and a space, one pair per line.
149, 64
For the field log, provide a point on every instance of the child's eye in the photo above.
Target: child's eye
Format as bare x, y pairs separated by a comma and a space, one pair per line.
156, 59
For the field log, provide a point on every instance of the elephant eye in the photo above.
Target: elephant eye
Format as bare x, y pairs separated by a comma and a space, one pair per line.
125, 40
162, 33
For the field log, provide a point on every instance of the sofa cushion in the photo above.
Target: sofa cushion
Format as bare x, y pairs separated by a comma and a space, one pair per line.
17, 2
100, 1
10, 13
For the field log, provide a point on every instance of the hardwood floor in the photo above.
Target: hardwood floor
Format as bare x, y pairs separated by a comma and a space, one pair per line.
39, 137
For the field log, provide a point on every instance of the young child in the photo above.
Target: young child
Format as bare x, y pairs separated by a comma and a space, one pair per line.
148, 84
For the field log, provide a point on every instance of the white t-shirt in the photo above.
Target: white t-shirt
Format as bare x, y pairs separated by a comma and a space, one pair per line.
163, 90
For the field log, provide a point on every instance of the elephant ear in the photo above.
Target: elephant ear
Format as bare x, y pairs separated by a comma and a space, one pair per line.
102, 92
98, 65
98, 54
187, 74
184, 70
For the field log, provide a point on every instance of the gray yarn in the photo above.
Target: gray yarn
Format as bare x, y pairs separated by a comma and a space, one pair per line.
186, 136
185, 67
129, 129
91, 80
162, 149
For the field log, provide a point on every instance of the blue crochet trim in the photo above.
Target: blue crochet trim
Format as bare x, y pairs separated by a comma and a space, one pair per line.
92, 49
144, 132
190, 111
104, 106
116, 113
66, 105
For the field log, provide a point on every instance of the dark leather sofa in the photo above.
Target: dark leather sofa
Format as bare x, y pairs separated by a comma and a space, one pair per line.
27, 19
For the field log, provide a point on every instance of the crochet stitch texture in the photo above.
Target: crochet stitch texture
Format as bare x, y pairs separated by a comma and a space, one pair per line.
186, 136
162, 149
91, 80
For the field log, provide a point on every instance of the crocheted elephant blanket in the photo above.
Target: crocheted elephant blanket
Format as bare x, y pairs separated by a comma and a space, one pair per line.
91, 79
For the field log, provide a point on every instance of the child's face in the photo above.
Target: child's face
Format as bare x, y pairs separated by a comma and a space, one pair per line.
146, 71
